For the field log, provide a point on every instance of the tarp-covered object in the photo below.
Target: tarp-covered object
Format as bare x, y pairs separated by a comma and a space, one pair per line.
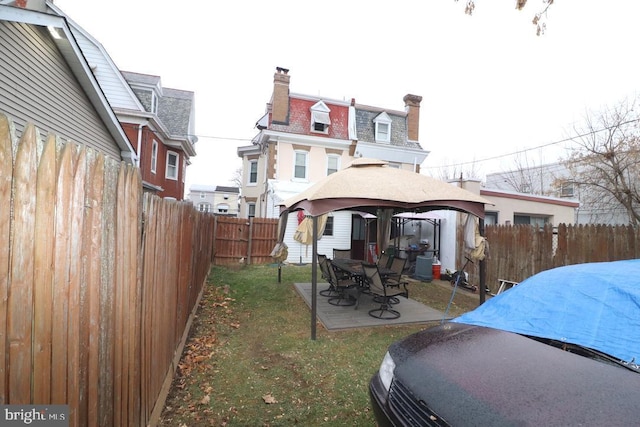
596, 305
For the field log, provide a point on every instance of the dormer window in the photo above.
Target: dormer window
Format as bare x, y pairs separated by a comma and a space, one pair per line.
320, 120
383, 128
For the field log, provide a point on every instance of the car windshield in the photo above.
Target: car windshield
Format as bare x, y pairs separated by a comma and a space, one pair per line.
595, 305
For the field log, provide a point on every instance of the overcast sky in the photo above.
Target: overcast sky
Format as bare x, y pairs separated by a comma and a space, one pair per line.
490, 86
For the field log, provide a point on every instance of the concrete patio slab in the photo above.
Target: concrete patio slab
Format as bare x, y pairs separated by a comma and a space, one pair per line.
335, 318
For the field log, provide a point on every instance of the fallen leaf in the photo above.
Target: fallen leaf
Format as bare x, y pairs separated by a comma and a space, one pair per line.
268, 399
205, 400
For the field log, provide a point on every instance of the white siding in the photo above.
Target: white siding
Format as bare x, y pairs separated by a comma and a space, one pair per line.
341, 238
111, 81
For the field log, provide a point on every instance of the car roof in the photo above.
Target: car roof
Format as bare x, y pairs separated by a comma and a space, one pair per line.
596, 305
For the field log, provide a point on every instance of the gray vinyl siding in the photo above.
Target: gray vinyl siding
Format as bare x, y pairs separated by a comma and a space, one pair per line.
37, 86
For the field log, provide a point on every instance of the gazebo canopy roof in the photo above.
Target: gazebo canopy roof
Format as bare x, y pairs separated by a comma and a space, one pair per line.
370, 184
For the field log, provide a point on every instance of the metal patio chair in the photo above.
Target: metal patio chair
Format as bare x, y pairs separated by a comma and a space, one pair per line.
382, 292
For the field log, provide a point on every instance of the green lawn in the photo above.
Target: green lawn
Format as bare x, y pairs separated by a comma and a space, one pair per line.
250, 361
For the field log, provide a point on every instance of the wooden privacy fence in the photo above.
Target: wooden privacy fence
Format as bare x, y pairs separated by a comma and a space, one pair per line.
519, 251
239, 240
97, 282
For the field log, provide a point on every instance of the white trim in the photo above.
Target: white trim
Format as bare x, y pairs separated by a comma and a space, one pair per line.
383, 120
295, 164
177, 166
154, 156
337, 158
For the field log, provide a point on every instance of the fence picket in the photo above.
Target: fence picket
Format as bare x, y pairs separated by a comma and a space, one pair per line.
20, 296
6, 177
43, 277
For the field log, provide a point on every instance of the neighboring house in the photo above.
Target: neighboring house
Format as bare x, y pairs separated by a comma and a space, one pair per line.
304, 138
46, 80
158, 121
553, 180
218, 200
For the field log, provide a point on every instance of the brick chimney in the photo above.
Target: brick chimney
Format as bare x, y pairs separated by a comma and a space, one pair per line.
37, 5
280, 97
412, 107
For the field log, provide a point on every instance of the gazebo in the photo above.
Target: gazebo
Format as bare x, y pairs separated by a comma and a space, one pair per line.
370, 185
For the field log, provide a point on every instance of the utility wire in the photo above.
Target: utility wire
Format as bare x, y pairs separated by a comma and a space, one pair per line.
593, 132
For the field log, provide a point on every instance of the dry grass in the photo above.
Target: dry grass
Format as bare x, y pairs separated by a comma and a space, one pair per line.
250, 361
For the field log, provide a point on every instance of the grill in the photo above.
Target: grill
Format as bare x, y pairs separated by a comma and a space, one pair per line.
409, 410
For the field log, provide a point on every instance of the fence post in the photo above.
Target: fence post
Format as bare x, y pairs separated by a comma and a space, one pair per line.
250, 240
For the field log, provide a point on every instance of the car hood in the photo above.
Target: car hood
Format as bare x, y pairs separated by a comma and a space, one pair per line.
471, 375
595, 305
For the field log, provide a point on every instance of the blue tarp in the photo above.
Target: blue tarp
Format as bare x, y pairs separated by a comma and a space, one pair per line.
596, 305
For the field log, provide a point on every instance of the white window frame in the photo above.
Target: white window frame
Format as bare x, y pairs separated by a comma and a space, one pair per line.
204, 207
383, 121
567, 189
154, 156
251, 206
320, 109
176, 174
296, 165
331, 157
249, 181
203, 195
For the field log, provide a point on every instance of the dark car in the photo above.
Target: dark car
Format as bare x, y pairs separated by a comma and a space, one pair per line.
560, 349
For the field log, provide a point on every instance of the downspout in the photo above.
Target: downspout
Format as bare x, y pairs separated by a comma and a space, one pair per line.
139, 147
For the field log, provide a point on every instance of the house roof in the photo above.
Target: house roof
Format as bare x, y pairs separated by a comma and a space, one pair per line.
487, 192
68, 47
175, 107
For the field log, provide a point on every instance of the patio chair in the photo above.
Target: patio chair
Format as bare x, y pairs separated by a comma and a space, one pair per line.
384, 260
341, 253
396, 269
383, 292
345, 288
331, 291
394, 277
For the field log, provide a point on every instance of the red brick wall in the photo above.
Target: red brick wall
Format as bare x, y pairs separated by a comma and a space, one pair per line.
300, 119
172, 188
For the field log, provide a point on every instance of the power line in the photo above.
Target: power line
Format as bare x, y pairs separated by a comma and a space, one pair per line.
593, 132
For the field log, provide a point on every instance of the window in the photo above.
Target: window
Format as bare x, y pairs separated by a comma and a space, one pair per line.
300, 167
223, 208
253, 172
225, 196
320, 120
203, 195
328, 227
204, 207
536, 221
333, 164
383, 127
566, 189
172, 165
490, 218
154, 156
154, 102
251, 210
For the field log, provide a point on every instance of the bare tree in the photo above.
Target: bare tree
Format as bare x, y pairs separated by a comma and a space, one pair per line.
605, 163
458, 171
236, 178
538, 19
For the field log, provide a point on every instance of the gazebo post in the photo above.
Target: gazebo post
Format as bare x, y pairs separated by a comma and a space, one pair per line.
483, 266
314, 278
